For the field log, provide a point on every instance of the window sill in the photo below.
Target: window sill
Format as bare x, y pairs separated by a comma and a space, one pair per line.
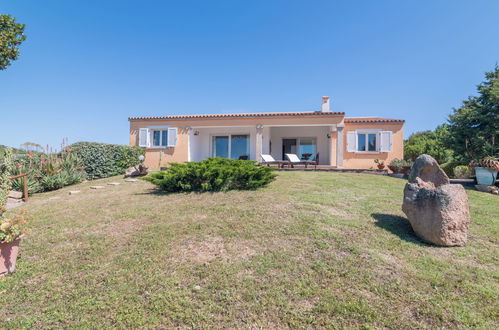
367, 152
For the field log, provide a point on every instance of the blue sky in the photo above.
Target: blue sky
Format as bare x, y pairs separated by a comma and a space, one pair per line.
89, 65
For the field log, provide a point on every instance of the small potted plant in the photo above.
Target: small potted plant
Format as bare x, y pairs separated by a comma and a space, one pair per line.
486, 170
12, 230
379, 163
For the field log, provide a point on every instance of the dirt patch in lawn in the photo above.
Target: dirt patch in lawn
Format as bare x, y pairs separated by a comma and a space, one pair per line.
212, 248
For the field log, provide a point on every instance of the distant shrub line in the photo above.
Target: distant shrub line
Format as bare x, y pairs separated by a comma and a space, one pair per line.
75, 163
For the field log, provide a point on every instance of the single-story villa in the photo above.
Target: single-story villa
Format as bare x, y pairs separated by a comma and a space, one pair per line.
329, 137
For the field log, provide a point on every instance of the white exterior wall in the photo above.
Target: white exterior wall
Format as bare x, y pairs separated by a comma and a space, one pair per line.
266, 140
318, 132
201, 145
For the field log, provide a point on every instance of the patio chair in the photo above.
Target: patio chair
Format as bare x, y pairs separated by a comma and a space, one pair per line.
269, 160
294, 160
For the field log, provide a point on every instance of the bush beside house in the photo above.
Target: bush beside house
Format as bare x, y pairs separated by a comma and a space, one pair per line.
101, 160
212, 174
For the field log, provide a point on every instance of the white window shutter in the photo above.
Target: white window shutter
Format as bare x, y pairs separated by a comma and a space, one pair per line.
385, 141
351, 141
143, 137
172, 137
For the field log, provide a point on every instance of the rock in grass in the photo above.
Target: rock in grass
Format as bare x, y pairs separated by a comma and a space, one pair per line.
427, 169
15, 194
438, 211
96, 187
138, 170
131, 180
489, 189
113, 183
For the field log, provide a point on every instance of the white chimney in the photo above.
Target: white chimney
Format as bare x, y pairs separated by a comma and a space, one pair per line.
325, 104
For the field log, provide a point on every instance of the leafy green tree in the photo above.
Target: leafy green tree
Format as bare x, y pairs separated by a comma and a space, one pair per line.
11, 37
428, 142
474, 127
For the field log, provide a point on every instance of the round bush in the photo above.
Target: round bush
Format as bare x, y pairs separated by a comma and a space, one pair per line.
213, 174
449, 168
462, 172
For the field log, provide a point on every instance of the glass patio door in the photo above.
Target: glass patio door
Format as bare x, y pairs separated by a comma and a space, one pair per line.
304, 148
231, 146
221, 146
289, 146
239, 147
308, 148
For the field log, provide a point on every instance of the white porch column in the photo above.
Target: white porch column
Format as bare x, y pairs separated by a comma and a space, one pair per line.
259, 143
331, 144
339, 146
189, 141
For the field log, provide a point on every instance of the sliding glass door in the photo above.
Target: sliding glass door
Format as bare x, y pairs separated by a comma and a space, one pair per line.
304, 148
239, 147
231, 146
221, 146
308, 148
289, 146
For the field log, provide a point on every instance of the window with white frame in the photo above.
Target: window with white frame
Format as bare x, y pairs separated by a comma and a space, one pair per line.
158, 137
366, 141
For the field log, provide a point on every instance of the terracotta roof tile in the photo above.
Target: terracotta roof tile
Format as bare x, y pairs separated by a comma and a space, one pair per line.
243, 115
371, 120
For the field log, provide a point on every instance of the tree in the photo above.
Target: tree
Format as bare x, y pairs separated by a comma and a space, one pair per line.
474, 127
428, 142
11, 37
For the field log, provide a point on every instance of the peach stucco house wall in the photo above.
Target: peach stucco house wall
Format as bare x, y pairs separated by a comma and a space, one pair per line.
334, 139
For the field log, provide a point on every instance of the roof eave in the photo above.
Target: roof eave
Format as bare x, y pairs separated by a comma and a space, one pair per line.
243, 116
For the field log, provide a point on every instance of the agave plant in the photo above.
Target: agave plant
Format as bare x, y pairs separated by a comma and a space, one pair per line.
48, 171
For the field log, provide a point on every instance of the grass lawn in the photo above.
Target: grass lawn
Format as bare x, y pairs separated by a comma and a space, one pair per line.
310, 250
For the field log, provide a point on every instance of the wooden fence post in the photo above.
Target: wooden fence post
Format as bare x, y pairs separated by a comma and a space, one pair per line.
25, 184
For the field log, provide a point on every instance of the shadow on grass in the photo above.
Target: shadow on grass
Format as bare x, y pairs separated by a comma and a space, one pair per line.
159, 192
153, 191
399, 226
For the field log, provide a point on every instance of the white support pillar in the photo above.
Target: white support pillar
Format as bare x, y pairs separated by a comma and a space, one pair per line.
339, 146
259, 143
331, 137
189, 142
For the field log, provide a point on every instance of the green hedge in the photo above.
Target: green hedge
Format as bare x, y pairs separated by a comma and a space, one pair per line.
101, 160
212, 174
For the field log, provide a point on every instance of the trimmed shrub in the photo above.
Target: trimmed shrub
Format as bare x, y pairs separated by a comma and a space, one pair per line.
212, 174
101, 160
462, 172
449, 168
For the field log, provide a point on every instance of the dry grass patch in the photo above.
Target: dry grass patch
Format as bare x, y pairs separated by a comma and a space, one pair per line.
311, 250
